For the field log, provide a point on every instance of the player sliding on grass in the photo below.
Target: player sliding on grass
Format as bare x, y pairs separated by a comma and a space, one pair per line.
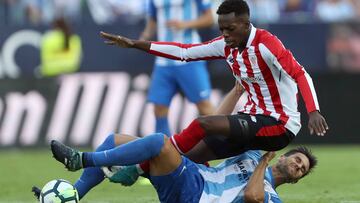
177, 179
269, 74
243, 178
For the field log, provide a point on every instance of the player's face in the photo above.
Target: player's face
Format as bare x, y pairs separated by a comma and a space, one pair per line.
235, 29
294, 167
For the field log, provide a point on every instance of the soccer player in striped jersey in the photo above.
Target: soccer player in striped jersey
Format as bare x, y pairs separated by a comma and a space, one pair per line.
178, 21
268, 72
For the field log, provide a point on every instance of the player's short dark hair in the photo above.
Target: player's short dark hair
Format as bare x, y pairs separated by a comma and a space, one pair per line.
307, 152
239, 7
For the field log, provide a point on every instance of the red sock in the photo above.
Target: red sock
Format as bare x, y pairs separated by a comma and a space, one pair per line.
189, 137
145, 166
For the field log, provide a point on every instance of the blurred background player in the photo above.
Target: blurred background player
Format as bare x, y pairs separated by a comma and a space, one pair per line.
177, 21
61, 50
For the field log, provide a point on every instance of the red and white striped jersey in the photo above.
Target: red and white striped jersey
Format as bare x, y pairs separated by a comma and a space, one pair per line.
265, 68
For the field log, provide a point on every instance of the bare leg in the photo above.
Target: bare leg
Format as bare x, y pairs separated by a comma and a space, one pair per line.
205, 107
167, 161
200, 128
161, 110
201, 153
215, 125
123, 139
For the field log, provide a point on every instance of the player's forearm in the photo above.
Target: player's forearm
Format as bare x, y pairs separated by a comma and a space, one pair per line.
254, 191
142, 45
228, 104
205, 20
149, 30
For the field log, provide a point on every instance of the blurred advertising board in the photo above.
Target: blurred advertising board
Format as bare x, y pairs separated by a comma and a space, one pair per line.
82, 109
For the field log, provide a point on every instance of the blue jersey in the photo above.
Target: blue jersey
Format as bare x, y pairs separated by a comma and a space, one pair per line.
226, 182
163, 11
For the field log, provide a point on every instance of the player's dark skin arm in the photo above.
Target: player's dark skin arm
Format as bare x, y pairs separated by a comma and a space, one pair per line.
124, 42
217, 124
317, 123
254, 191
228, 104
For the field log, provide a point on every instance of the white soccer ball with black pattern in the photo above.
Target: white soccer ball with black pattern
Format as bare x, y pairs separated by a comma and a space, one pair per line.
59, 191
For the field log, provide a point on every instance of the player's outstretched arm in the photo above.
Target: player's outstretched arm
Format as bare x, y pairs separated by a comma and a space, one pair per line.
254, 191
124, 42
213, 49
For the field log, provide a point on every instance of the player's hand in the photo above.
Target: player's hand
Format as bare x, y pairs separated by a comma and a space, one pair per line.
118, 40
268, 156
176, 24
317, 124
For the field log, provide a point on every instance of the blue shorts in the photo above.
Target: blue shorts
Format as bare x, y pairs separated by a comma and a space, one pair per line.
185, 184
190, 78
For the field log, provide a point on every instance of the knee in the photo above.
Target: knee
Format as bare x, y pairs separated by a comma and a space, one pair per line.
167, 147
155, 143
206, 123
108, 143
205, 108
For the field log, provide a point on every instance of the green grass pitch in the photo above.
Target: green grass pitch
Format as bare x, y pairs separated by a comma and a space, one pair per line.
335, 180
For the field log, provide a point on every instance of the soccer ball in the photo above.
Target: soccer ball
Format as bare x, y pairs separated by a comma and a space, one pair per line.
59, 191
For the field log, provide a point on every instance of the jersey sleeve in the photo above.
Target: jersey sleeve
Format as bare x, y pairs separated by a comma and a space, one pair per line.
253, 154
284, 60
213, 49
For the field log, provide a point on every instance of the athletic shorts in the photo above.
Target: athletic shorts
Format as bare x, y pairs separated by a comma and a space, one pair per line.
250, 132
185, 184
192, 79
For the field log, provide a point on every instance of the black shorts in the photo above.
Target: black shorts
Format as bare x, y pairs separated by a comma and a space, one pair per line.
249, 132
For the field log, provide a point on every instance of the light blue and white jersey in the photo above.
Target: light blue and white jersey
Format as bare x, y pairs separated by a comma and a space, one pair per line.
164, 10
226, 182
